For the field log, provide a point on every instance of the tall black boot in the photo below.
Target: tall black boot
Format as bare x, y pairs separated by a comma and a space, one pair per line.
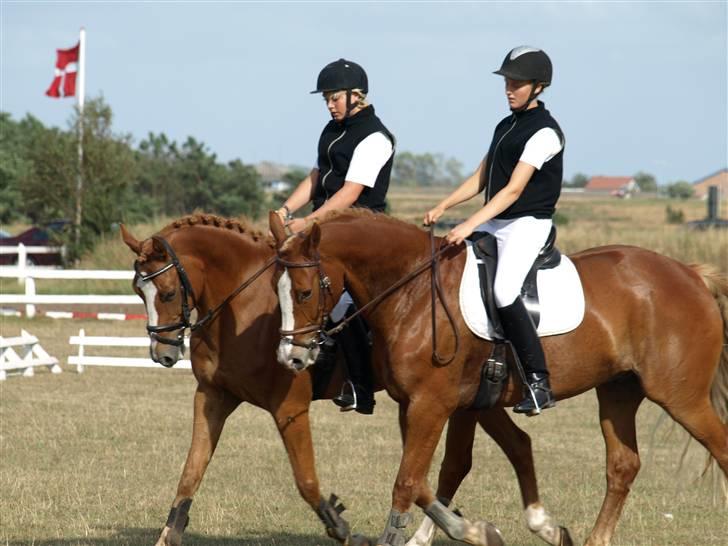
358, 393
519, 330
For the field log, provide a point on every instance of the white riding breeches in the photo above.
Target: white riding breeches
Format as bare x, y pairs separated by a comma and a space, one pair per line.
519, 242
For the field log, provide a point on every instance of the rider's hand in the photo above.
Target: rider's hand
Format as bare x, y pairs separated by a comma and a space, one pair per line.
458, 234
296, 225
433, 215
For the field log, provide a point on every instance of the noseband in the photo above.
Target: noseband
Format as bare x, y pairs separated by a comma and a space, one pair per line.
324, 286
188, 292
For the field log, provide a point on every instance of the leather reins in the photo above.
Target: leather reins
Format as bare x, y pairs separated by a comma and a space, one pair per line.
188, 292
432, 263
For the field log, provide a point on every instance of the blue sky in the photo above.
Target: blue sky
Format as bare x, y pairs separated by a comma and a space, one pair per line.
637, 85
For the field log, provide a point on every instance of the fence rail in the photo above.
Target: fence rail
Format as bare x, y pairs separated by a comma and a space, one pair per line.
28, 275
83, 341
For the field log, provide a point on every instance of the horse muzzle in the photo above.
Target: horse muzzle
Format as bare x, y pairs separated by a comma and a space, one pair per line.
295, 357
166, 354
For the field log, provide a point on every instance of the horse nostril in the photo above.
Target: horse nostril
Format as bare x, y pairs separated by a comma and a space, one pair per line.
167, 361
297, 364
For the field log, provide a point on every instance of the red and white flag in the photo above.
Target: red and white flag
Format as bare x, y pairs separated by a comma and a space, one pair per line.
66, 69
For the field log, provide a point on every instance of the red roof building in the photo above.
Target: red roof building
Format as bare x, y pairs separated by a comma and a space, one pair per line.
719, 178
613, 185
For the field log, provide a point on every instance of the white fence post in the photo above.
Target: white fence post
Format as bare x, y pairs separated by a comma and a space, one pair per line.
81, 335
29, 291
22, 259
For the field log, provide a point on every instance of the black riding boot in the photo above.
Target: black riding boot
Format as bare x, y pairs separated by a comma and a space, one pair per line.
519, 330
358, 392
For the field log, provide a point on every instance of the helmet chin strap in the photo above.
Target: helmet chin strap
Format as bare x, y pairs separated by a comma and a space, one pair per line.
532, 95
349, 104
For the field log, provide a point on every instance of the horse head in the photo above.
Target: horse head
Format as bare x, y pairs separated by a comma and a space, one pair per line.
305, 292
167, 283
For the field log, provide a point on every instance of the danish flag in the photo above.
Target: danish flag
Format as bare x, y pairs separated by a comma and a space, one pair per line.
66, 69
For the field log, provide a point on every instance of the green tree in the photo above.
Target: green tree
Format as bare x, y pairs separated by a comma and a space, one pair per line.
15, 166
646, 182
579, 180
108, 170
680, 190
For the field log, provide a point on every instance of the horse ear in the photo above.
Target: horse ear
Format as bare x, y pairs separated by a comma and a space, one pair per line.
313, 239
159, 248
276, 227
131, 242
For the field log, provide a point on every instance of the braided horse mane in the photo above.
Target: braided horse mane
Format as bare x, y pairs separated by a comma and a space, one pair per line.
243, 227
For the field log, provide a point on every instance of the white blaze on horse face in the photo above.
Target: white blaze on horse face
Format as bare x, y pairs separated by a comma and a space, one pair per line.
150, 294
286, 303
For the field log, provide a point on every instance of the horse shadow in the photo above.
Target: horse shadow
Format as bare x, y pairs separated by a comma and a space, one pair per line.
145, 537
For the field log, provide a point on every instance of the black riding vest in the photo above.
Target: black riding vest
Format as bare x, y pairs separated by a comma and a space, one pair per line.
335, 150
539, 197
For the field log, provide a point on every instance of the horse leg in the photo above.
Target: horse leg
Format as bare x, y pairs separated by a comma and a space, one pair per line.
516, 445
703, 424
421, 423
454, 467
211, 408
618, 404
295, 430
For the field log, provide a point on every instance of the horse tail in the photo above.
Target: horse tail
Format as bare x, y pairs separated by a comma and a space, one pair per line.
718, 286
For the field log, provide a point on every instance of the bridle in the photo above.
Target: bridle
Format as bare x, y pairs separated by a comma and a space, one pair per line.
431, 263
325, 288
188, 293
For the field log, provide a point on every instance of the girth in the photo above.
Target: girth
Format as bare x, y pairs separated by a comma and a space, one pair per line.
486, 251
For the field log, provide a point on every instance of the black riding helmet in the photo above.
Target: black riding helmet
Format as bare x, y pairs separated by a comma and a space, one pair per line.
527, 63
341, 75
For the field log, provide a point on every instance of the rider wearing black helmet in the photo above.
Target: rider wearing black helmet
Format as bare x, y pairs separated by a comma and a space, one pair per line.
521, 175
355, 155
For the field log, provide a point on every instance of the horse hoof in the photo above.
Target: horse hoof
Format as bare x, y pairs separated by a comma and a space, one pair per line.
169, 538
565, 537
358, 540
483, 533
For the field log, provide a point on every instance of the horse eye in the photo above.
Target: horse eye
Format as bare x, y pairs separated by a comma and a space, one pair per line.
303, 296
167, 296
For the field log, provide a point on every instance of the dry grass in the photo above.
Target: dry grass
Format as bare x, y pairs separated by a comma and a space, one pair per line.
94, 459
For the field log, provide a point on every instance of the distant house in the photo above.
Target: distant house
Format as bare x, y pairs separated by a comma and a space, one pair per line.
619, 186
276, 186
718, 178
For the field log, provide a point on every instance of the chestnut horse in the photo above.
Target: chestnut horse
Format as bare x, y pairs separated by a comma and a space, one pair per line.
221, 268
653, 328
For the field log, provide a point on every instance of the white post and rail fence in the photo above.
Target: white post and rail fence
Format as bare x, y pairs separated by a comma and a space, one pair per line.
30, 298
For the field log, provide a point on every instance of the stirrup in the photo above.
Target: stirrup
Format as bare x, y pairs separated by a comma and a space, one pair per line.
347, 401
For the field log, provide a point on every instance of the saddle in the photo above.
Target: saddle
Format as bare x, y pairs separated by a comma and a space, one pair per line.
486, 251
494, 372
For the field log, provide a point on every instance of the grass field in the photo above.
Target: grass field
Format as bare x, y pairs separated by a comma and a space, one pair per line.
94, 459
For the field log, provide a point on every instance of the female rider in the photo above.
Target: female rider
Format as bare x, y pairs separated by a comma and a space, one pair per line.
355, 155
521, 175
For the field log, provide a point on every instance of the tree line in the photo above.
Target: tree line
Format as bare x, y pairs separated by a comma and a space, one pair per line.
121, 182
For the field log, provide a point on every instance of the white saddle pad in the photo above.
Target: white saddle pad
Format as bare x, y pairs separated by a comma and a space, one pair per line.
561, 299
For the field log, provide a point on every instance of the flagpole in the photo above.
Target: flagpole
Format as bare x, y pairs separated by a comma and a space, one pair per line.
81, 93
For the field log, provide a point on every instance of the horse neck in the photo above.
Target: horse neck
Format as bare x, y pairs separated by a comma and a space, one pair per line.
375, 254
226, 257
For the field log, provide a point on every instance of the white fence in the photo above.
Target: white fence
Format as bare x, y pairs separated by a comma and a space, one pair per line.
22, 251
30, 298
82, 359
22, 354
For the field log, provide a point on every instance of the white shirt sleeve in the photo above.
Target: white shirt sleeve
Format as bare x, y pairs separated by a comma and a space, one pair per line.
368, 159
541, 147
